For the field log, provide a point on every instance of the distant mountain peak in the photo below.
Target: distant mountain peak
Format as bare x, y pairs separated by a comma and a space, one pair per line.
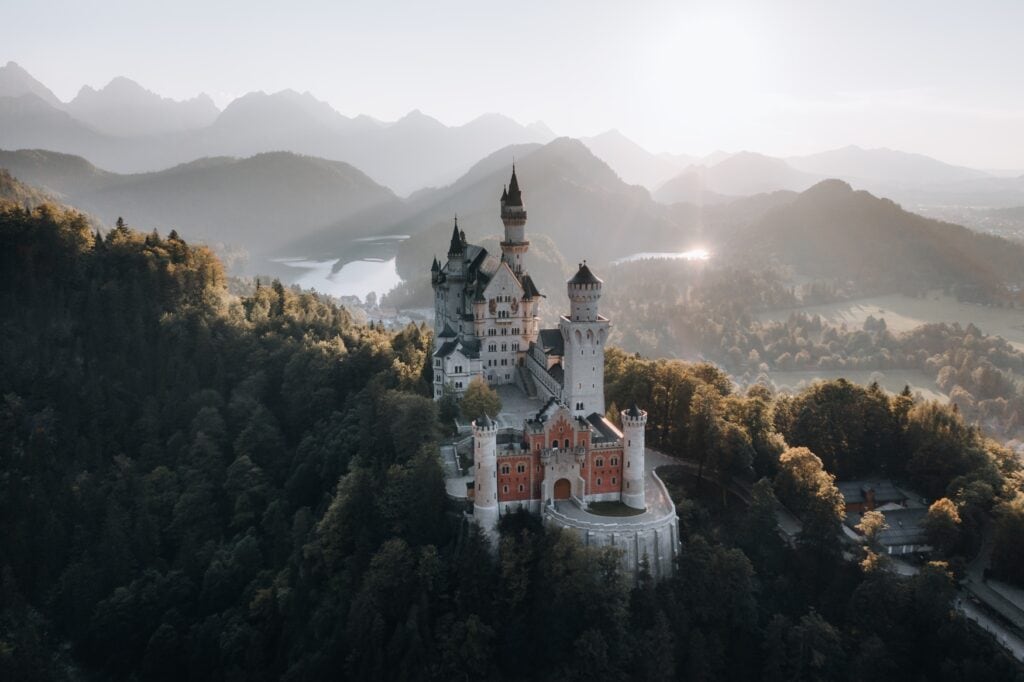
830, 187
417, 120
15, 81
123, 107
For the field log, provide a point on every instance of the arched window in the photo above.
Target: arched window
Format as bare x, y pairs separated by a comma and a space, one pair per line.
615, 461
566, 443
599, 462
599, 481
504, 488
521, 487
613, 480
505, 469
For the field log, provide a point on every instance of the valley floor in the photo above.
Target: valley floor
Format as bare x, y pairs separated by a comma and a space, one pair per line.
903, 313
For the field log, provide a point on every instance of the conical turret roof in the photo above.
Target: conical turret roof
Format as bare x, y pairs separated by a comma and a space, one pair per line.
585, 276
456, 245
515, 197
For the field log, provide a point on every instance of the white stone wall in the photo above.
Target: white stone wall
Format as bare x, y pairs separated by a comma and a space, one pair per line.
656, 538
583, 363
633, 459
485, 477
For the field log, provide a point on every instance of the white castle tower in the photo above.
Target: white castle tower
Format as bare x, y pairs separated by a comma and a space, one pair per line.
634, 420
584, 332
485, 470
513, 215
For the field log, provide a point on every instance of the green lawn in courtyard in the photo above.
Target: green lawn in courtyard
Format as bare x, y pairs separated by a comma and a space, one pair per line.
612, 508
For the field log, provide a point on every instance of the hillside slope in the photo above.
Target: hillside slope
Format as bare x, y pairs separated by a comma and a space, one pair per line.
258, 203
833, 232
742, 174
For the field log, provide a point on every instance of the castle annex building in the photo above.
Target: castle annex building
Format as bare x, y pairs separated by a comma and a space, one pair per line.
566, 461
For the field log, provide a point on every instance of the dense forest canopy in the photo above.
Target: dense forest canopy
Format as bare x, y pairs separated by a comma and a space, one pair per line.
200, 486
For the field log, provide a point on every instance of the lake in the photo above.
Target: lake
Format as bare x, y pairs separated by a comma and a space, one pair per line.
355, 278
369, 266
692, 254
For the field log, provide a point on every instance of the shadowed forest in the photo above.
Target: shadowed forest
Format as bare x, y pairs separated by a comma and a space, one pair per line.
195, 485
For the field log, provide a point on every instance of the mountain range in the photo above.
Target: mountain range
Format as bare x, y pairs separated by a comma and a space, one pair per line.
286, 205
128, 129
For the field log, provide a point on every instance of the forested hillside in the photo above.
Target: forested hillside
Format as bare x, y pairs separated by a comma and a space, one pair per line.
832, 232
14, 191
197, 486
258, 204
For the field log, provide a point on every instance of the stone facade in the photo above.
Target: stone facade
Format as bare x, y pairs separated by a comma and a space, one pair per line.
568, 455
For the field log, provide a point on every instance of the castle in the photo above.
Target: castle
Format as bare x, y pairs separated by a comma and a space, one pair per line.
568, 462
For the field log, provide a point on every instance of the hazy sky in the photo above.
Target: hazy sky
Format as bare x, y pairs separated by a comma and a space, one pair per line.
777, 76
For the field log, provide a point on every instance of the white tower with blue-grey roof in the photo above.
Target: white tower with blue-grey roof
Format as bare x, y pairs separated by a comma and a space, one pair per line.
585, 333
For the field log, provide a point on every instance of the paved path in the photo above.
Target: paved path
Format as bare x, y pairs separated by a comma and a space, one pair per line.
976, 584
1007, 639
454, 481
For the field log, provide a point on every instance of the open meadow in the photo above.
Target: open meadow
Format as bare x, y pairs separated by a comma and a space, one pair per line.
902, 313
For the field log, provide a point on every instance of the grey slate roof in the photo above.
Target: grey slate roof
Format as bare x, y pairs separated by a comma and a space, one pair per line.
557, 373
551, 342
905, 527
515, 197
529, 288
445, 349
585, 276
605, 428
470, 348
885, 492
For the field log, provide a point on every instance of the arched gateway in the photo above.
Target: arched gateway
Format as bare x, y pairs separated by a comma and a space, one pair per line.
563, 489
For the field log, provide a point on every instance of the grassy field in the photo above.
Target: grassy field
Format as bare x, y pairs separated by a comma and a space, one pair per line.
612, 509
902, 313
891, 380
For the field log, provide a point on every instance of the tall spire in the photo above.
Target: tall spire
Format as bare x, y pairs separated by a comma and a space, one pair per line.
456, 244
515, 197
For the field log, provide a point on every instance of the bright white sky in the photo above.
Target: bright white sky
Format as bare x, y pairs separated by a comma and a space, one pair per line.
777, 76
